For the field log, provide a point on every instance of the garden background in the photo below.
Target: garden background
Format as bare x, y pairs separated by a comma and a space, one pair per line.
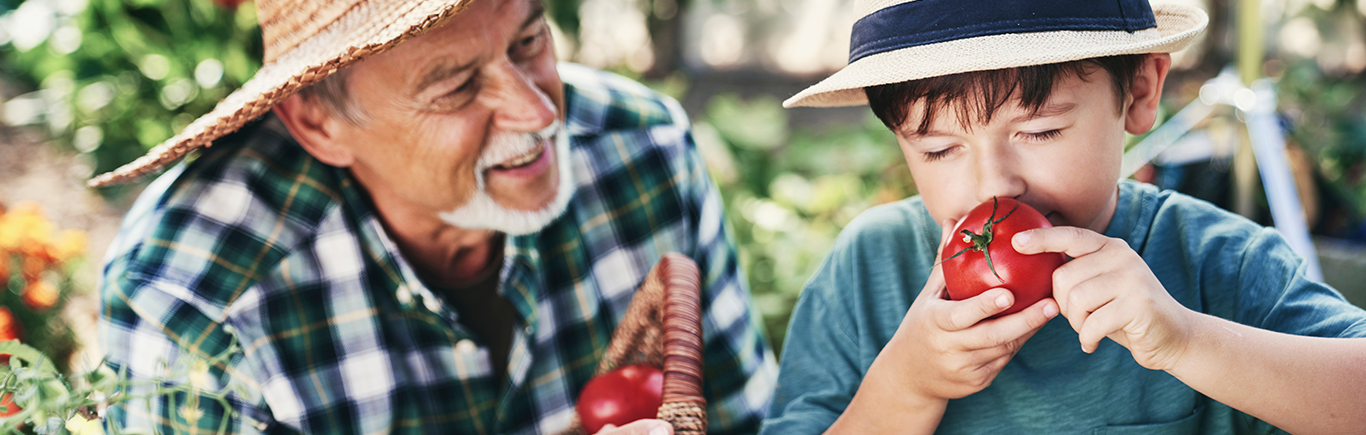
88, 85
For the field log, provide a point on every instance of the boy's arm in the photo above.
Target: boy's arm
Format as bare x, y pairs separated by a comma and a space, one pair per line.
1297, 383
1300, 384
941, 349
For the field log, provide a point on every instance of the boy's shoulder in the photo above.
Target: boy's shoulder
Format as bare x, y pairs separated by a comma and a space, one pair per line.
1147, 215
899, 228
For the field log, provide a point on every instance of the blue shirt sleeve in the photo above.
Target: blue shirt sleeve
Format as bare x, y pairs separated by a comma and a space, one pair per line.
1277, 296
848, 312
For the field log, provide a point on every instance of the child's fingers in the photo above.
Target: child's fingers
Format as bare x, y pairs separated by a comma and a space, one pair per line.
934, 286
1078, 301
1073, 241
945, 232
965, 313
1013, 327
1100, 324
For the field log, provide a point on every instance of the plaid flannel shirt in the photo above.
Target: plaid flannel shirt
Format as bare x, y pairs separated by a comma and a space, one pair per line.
273, 273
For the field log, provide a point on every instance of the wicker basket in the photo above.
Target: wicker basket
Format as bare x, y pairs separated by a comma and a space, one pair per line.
663, 327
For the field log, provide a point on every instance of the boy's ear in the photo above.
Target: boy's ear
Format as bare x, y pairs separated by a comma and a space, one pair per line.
314, 129
1146, 93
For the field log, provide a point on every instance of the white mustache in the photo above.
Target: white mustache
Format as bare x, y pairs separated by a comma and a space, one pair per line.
506, 146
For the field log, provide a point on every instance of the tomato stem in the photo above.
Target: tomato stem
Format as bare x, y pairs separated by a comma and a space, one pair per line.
980, 242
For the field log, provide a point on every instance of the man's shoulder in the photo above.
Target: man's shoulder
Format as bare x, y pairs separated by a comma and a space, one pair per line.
599, 101
229, 213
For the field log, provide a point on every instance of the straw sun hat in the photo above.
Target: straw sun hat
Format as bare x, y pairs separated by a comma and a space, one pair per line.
305, 41
902, 40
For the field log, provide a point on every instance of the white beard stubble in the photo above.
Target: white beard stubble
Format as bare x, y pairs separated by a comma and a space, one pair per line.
482, 212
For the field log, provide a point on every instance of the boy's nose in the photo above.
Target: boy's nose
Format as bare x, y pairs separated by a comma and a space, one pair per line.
998, 176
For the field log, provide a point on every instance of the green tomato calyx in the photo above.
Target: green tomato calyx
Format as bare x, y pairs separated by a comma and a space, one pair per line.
980, 242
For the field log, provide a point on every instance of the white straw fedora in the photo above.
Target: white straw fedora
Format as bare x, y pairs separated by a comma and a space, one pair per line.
305, 41
902, 40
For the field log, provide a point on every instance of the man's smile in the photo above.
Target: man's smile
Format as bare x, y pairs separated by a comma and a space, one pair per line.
524, 159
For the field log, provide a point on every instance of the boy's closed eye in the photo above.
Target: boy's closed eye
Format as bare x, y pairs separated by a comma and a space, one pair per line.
931, 156
1041, 136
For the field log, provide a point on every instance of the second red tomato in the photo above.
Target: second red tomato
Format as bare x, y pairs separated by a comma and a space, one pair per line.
621, 396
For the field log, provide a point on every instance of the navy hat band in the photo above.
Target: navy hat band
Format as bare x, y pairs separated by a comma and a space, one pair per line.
923, 22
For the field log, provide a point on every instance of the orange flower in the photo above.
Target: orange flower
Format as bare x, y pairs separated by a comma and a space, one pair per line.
33, 267
70, 243
5, 260
40, 295
9, 326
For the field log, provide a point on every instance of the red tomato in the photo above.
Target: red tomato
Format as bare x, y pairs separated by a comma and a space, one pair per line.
621, 396
979, 256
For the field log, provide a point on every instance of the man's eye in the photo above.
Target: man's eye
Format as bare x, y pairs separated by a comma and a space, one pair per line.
530, 46
460, 96
1043, 136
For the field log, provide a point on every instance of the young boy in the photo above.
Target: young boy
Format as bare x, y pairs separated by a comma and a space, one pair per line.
1212, 326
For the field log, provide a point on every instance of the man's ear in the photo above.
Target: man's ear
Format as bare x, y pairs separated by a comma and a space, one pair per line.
1146, 93
314, 129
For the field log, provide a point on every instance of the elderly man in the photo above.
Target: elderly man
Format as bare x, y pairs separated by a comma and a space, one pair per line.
412, 219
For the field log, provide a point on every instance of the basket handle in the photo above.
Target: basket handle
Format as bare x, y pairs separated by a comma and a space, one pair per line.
682, 330
663, 326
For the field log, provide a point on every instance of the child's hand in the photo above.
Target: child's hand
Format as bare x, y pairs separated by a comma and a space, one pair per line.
945, 350
1108, 291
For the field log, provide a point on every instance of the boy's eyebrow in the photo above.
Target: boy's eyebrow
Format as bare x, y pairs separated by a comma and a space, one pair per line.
444, 71
1051, 109
915, 134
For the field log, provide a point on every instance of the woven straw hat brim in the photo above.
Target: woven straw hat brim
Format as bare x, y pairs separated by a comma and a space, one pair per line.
1176, 27
367, 29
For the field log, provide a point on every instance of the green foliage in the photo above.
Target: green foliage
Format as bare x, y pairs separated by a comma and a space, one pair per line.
37, 397
789, 192
121, 76
1328, 119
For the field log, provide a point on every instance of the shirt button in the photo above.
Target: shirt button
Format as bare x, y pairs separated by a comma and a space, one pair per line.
465, 346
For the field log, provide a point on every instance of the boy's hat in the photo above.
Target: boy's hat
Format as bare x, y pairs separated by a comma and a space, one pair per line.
305, 41
903, 40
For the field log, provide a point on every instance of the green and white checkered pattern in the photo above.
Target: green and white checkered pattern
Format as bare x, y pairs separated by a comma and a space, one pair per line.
257, 243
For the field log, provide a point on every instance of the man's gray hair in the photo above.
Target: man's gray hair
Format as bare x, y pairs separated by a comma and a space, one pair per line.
332, 93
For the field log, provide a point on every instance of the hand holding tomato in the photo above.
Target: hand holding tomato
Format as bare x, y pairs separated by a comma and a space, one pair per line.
1108, 291
983, 259
639, 427
620, 397
947, 349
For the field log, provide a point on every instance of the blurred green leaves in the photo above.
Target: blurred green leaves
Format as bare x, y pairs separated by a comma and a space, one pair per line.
789, 191
117, 77
1327, 117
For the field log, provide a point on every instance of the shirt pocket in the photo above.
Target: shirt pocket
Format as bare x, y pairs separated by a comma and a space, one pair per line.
1187, 425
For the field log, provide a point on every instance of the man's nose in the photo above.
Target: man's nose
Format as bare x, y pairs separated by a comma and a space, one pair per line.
521, 105
998, 174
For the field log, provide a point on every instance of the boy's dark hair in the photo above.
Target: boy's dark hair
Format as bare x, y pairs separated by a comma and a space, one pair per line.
991, 89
